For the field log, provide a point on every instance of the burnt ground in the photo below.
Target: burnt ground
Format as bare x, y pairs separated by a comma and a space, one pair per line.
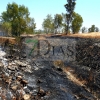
46, 83
42, 80
59, 86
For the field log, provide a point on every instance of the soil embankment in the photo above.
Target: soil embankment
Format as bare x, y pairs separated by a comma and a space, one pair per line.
72, 76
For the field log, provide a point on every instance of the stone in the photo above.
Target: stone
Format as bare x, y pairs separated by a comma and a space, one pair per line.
26, 89
39, 81
24, 82
17, 82
19, 78
35, 91
36, 68
27, 69
8, 80
32, 86
14, 98
41, 92
19, 74
10, 67
21, 64
2, 53
24, 55
9, 95
26, 97
13, 78
14, 87
1, 64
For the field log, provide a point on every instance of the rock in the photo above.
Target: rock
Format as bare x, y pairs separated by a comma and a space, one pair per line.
19, 74
2, 53
1, 64
32, 86
41, 92
35, 91
19, 78
24, 82
26, 89
26, 97
21, 91
17, 82
39, 81
14, 87
9, 95
36, 68
8, 80
17, 58
4, 62
45, 97
13, 78
14, 98
24, 55
21, 64
27, 69
13, 68
2, 75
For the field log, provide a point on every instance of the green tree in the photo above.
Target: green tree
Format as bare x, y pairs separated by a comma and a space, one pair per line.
6, 27
52, 27
48, 25
17, 15
31, 25
93, 28
97, 29
84, 29
64, 25
76, 23
58, 22
70, 6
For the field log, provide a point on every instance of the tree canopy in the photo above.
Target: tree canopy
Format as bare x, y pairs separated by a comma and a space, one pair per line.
76, 22
58, 21
6, 27
48, 24
70, 6
84, 29
18, 17
93, 28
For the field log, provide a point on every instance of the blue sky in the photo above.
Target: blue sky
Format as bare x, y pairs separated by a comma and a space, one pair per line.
88, 9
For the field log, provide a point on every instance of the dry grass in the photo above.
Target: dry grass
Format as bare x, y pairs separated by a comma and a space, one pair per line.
86, 35
73, 77
42, 36
8, 39
69, 72
81, 35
